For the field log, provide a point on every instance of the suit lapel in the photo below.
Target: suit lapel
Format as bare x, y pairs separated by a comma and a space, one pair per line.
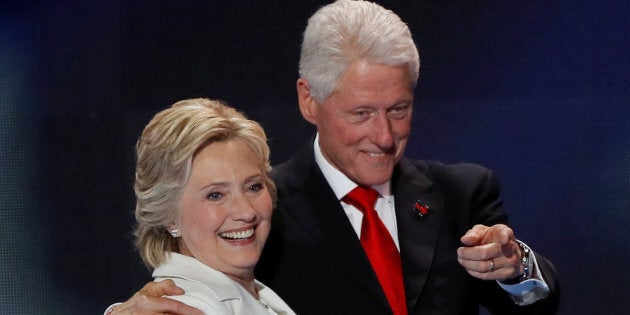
417, 236
315, 207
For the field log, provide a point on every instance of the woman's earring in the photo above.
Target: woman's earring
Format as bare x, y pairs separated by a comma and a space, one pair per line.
175, 232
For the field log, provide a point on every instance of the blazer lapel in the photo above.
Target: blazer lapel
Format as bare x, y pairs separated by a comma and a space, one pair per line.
417, 236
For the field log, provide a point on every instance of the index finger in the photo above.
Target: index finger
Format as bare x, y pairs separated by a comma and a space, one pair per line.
474, 235
500, 233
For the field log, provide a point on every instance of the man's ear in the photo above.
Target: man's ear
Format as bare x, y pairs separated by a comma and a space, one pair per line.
308, 105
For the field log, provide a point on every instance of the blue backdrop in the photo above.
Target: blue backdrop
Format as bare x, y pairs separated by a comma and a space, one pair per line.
537, 90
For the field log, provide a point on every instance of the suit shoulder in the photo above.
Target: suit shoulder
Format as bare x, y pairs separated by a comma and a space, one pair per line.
285, 174
437, 168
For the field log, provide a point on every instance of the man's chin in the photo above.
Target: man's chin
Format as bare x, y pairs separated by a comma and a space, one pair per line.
375, 177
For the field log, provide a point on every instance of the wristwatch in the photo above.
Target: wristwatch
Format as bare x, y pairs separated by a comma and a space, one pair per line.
526, 261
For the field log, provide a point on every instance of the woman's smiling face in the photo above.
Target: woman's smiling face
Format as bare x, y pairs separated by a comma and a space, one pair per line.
225, 209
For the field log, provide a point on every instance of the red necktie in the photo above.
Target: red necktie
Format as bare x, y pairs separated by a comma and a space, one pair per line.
380, 248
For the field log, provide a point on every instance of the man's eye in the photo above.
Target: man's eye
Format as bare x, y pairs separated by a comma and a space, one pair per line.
399, 112
215, 195
360, 115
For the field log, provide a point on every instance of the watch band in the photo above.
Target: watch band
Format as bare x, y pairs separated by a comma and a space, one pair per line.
526, 261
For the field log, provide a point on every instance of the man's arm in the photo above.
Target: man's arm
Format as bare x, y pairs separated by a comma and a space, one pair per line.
150, 300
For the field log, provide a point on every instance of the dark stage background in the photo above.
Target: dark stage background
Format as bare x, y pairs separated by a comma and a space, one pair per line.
537, 90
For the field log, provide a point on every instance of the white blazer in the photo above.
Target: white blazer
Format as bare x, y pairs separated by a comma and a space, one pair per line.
213, 292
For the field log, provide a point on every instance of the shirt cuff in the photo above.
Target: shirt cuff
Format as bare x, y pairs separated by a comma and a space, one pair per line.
529, 291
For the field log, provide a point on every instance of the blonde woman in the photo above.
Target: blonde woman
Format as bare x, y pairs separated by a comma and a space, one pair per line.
204, 204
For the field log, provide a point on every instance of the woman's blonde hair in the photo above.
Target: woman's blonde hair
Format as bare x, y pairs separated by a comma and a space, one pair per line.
165, 152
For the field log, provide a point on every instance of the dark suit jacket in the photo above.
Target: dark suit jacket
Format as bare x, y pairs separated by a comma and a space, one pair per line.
315, 262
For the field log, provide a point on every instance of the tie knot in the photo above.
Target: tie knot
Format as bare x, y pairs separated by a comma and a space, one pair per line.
362, 197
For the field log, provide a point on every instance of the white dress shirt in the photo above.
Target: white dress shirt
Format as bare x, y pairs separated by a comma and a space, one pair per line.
342, 185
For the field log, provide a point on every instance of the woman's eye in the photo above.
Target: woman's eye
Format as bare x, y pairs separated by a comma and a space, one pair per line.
256, 187
215, 195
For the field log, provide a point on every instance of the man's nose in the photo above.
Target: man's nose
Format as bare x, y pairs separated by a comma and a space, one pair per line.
382, 134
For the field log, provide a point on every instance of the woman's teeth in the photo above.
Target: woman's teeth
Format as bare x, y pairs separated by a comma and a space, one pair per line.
238, 235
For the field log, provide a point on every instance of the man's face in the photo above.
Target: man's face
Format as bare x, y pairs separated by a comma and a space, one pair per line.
365, 123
